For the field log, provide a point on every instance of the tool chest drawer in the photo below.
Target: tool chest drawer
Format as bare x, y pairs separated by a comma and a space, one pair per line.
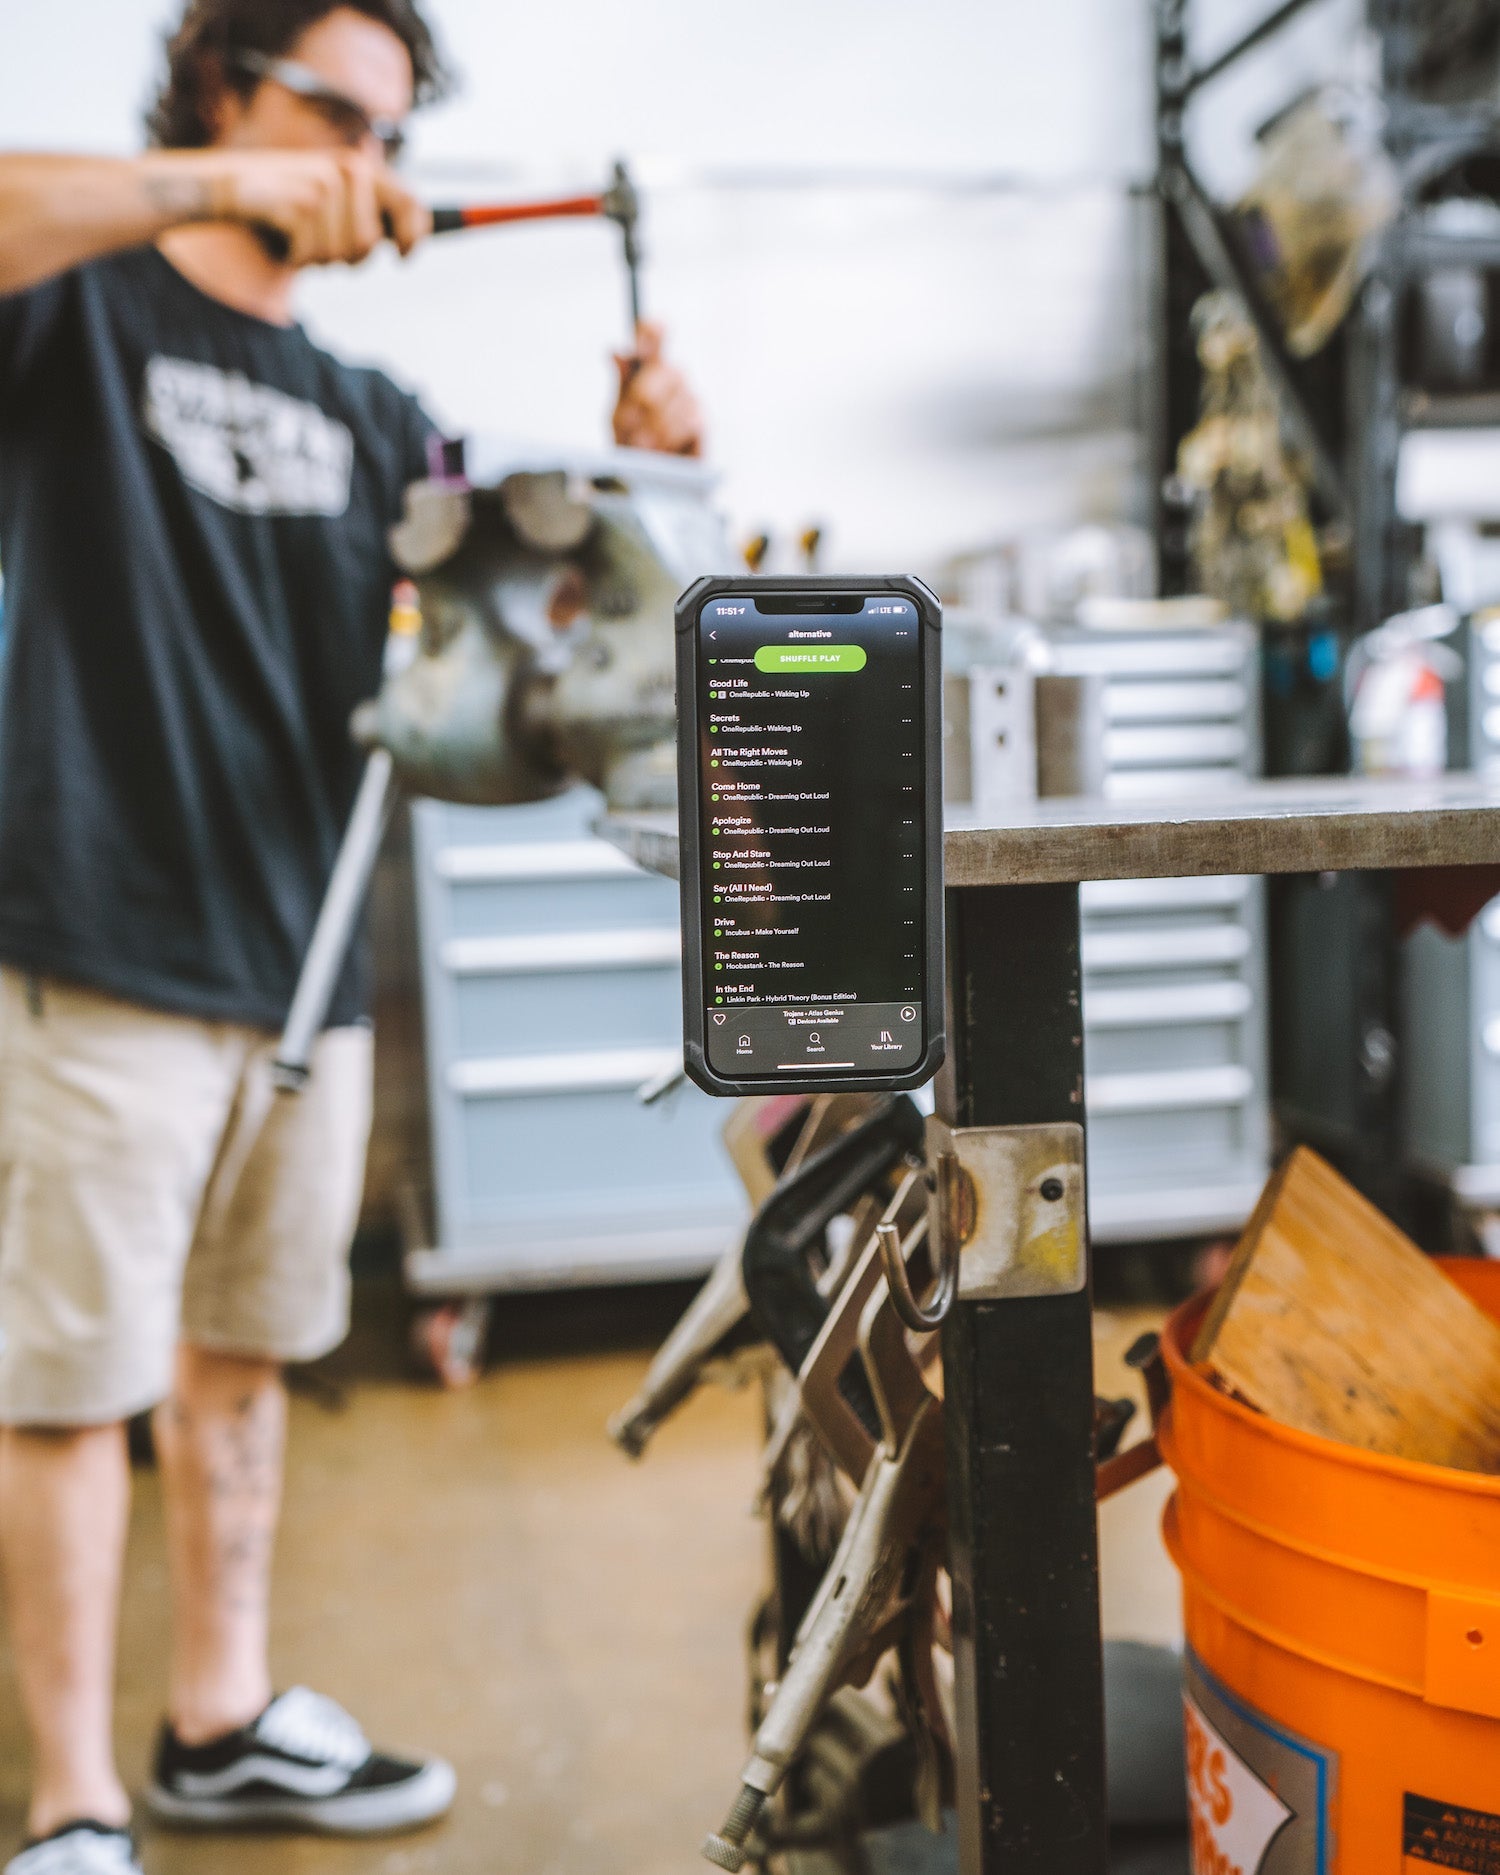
1174, 1054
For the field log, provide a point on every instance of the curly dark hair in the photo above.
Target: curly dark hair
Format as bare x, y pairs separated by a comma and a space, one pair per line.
211, 31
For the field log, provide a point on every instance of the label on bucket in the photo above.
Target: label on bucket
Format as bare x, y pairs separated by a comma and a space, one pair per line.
1259, 1797
1448, 1835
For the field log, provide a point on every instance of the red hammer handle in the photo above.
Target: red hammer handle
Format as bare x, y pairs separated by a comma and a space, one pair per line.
450, 220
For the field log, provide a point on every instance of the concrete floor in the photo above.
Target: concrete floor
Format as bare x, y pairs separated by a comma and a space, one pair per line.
483, 1575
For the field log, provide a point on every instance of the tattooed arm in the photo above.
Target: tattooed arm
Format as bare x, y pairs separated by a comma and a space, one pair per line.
58, 211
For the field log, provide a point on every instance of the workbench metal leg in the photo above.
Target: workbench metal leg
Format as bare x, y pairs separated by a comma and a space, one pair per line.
1019, 1386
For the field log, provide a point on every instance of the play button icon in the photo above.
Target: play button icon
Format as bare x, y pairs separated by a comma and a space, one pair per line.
908, 1014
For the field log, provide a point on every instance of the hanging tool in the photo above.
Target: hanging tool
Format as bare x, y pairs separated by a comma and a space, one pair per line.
832, 1398
879, 1581
715, 1321
782, 1289
713, 1326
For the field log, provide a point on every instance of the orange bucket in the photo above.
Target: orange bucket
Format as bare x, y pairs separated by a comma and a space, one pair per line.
1342, 1681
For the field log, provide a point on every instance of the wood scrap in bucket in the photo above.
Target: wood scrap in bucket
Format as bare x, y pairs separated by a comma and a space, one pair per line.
1331, 1320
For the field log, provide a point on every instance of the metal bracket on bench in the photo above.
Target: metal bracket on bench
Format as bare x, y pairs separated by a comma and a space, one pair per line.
1013, 1196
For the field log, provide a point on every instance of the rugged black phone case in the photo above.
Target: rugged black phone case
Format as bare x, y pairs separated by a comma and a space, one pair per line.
695, 1055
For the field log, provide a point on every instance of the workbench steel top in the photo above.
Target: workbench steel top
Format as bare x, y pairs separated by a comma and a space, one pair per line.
1341, 825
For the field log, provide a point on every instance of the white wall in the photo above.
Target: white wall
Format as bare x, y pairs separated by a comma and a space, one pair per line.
922, 365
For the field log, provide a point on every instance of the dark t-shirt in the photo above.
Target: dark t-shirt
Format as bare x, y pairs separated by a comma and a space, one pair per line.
193, 516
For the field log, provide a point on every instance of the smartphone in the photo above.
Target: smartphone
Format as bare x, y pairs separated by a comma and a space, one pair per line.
810, 796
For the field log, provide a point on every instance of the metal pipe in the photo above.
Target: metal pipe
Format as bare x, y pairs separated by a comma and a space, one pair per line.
1205, 74
337, 917
1018, 1411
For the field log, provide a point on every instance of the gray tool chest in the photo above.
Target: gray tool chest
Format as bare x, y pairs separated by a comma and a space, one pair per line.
1175, 1009
551, 993
1174, 969
1450, 986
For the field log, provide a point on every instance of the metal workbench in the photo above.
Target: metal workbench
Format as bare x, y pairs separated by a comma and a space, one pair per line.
1018, 1372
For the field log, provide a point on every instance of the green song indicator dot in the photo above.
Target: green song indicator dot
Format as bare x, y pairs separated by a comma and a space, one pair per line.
713, 764
716, 865
717, 899
718, 999
714, 731
718, 966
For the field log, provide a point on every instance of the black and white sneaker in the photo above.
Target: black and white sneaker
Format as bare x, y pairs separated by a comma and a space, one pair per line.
303, 1762
82, 1848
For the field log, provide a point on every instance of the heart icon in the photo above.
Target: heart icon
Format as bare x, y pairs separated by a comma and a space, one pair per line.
719, 1020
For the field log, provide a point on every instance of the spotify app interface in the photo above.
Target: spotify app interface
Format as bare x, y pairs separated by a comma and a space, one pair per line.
811, 760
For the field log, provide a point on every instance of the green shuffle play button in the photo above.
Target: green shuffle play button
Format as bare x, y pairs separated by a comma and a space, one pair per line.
809, 659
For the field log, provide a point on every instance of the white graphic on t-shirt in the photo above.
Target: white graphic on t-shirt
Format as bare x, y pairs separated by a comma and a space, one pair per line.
249, 447
1234, 1817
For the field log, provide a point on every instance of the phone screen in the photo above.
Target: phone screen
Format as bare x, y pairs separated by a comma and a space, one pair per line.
811, 788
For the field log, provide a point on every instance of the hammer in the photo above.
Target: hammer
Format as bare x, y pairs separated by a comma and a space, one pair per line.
618, 203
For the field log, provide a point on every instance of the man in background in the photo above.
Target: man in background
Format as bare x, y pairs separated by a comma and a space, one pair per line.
194, 502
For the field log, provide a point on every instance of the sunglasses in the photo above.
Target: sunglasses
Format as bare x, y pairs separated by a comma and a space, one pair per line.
340, 112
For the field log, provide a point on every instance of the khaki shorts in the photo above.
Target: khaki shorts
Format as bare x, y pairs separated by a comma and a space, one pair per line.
155, 1187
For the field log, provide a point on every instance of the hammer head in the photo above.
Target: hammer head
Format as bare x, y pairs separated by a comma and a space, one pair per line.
621, 203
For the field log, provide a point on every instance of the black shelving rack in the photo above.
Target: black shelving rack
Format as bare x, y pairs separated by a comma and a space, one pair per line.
1336, 1068
1346, 409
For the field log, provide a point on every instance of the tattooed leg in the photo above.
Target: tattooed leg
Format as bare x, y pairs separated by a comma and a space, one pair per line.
220, 1439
